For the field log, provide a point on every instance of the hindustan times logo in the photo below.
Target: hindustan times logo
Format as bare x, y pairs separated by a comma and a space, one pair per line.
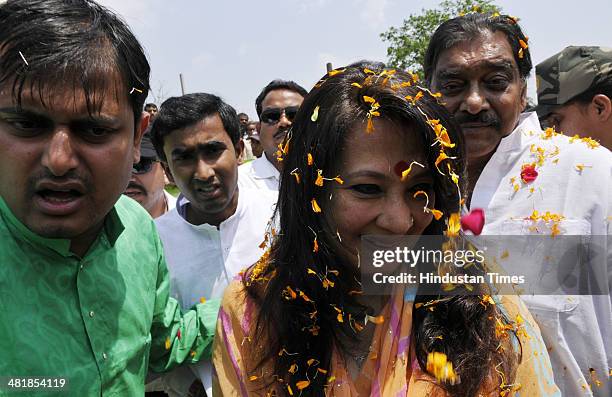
411, 257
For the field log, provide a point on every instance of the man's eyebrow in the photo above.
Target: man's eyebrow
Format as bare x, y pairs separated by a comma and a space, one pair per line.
214, 144
498, 65
17, 110
84, 119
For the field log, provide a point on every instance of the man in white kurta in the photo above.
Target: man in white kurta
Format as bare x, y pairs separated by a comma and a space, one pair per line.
577, 329
203, 259
480, 63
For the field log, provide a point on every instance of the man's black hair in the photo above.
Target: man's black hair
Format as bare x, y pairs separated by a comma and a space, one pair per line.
51, 44
471, 26
278, 85
150, 105
184, 111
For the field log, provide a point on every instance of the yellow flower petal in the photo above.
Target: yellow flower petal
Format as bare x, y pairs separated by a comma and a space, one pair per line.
310, 160
454, 225
335, 72
437, 214
368, 99
357, 85
315, 114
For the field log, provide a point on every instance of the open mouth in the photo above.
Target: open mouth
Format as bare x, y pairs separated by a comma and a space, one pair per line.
207, 189
59, 196
59, 199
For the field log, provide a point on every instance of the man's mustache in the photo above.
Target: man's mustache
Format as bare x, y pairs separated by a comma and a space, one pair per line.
47, 176
489, 118
133, 185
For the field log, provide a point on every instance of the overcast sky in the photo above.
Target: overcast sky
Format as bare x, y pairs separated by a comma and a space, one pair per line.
234, 48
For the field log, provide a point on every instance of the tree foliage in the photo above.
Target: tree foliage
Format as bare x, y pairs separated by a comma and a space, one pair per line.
408, 43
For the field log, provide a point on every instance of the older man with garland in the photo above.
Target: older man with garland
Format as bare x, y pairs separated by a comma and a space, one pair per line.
517, 173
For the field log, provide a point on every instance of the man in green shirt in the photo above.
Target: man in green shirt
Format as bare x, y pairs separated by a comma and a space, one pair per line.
85, 308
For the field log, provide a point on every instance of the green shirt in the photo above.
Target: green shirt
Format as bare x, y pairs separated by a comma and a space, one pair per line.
97, 321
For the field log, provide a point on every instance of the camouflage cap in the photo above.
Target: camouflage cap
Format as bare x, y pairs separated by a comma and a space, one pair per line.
570, 73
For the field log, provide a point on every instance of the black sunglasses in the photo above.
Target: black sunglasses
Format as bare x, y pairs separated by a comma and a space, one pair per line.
143, 166
273, 115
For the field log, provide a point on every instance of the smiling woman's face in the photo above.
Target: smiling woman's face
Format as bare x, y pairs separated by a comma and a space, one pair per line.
373, 199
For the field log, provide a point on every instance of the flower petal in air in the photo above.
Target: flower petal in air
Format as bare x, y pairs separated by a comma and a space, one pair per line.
474, 221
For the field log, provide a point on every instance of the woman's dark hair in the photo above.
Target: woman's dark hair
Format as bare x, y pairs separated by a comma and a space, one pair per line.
471, 26
50, 44
183, 111
311, 329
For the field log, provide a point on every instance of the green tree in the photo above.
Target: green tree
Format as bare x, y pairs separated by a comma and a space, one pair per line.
408, 43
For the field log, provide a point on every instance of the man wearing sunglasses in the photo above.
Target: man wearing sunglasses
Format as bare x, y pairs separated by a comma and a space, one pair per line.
148, 181
276, 107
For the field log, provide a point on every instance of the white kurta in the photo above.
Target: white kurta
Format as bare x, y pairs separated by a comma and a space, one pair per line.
203, 260
258, 174
576, 329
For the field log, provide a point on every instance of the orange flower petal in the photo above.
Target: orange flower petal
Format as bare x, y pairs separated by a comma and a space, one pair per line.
370, 126
319, 180
315, 206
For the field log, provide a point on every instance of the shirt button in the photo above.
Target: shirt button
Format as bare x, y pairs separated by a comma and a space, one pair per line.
81, 267
91, 313
104, 356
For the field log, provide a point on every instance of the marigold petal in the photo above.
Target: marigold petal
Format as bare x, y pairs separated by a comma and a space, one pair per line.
319, 180
370, 126
368, 99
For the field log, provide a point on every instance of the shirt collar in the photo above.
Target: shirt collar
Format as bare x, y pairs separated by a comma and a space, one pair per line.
264, 169
527, 123
113, 227
181, 209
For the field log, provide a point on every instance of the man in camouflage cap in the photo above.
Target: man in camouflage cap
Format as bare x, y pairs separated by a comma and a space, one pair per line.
575, 92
